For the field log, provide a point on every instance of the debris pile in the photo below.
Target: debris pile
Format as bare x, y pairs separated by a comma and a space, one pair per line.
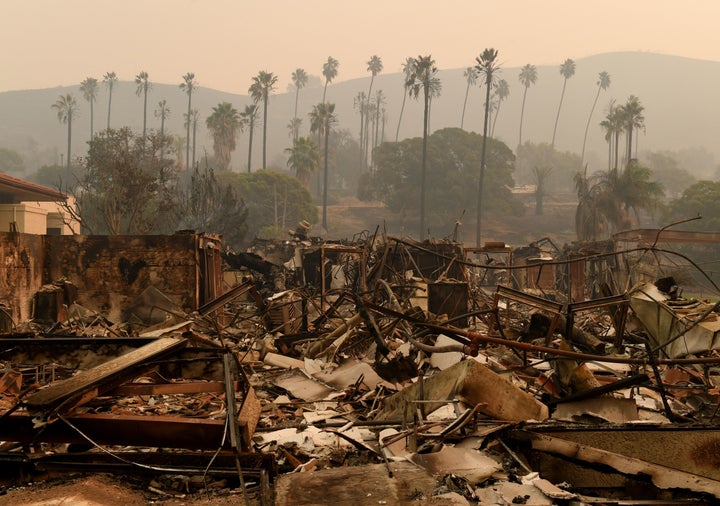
384, 371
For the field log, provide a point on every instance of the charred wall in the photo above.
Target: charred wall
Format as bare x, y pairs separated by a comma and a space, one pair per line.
21, 267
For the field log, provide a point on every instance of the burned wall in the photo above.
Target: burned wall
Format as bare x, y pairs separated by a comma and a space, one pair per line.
110, 272
21, 268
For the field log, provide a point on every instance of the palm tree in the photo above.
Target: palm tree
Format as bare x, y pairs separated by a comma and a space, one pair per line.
66, 107
471, 77
322, 118
330, 72
567, 69
360, 102
188, 85
248, 118
502, 91
110, 78
304, 159
299, 79
603, 83
293, 127
374, 66
89, 90
528, 77
632, 113
224, 124
162, 112
487, 66
191, 123
406, 70
423, 77
143, 85
263, 84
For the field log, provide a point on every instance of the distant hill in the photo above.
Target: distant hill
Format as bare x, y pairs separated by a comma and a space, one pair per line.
679, 96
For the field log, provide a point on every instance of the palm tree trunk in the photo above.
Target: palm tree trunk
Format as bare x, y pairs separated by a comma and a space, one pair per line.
194, 138
145, 112
522, 114
426, 114
325, 175
478, 226
109, 105
562, 96
187, 133
497, 113
587, 125
402, 109
265, 103
92, 116
69, 144
462, 118
295, 127
250, 143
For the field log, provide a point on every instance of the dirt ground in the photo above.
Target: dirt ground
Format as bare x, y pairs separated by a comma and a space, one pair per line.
109, 490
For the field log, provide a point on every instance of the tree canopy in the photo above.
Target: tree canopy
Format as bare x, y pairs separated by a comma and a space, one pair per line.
454, 158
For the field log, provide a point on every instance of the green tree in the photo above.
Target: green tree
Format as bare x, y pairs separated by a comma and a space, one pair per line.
127, 186
701, 198
501, 92
471, 77
263, 84
540, 175
423, 78
248, 117
275, 202
322, 118
66, 107
406, 70
300, 80
487, 66
188, 86
11, 161
110, 78
89, 88
143, 86
567, 69
304, 159
330, 72
224, 124
528, 77
603, 84
455, 156
613, 125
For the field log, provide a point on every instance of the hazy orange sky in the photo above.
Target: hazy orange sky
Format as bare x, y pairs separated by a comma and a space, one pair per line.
49, 43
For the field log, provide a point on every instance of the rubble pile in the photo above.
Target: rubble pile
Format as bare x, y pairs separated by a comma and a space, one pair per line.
384, 371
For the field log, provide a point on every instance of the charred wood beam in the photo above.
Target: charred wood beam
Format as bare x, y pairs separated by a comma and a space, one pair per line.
88, 384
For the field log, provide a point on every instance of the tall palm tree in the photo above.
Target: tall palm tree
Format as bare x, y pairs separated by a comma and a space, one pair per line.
322, 118
406, 70
423, 78
162, 112
66, 107
528, 77
502, 91
330, 72
304, 159
188, 86
249, 117
143, 85
299, 79
487, 66
567, 69
89, 88
603, 83
110, 78
263, 84
224, 124
191, 124
632, 113
374, 66
360, 102
471, 77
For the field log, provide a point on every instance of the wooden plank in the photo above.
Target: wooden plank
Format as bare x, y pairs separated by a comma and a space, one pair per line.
662, 476
474, 384
101, 378
194, 387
